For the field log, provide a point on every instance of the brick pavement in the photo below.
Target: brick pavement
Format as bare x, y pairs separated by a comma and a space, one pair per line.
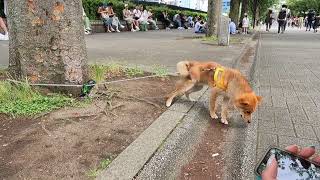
288, 77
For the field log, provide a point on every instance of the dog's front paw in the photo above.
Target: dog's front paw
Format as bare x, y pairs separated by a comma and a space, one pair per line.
213, 115
224, 121
169, 102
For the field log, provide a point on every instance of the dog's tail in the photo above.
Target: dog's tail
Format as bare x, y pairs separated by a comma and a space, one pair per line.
183, 68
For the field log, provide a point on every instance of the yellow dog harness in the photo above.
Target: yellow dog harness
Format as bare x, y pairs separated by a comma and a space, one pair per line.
218, 78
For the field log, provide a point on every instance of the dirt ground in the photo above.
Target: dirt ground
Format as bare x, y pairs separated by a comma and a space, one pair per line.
67, 143
207, 163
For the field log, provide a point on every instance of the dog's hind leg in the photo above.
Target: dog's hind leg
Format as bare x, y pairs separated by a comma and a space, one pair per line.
181, 89
194, 89
224, 110
212, 107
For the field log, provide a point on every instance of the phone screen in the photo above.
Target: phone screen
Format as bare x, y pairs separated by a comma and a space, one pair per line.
290, 167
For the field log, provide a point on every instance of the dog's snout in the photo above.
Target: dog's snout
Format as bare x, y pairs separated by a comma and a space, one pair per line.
249, 122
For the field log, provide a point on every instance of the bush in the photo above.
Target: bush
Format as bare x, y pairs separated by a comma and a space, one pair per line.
91, 7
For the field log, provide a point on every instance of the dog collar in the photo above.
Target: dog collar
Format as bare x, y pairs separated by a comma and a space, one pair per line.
218, 78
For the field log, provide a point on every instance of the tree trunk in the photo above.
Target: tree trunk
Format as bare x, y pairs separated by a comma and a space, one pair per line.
234, 11
244, 8
211, 17
47, 41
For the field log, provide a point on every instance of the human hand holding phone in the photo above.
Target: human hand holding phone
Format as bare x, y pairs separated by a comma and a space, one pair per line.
271, 172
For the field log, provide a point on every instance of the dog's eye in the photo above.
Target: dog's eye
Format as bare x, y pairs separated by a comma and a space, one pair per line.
248, 112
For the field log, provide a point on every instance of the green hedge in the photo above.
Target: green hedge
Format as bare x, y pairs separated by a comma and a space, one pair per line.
91, 6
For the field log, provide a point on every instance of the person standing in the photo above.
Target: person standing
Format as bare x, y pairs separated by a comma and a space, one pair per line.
311, 18
316, 23
282, 19
300, 22
245, 24
269, 19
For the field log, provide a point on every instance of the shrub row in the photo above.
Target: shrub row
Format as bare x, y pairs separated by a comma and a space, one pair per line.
91, 6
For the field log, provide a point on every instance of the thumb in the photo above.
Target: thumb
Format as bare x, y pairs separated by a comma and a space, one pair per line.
270, 173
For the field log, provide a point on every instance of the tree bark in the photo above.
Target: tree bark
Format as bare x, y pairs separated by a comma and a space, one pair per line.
47, 41
244, 8
211, 17
234, 11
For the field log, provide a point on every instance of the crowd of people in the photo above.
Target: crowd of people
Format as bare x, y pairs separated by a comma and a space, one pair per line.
310, 20
138, 19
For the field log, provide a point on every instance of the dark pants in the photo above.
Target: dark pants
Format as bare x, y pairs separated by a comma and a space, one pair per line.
309, 25
282, 25
166, 22
268, 24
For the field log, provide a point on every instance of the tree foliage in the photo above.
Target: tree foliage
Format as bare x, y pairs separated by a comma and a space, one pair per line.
298, 7
262, 7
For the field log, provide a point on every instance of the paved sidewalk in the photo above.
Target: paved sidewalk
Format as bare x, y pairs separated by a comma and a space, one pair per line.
287, 75
147, 49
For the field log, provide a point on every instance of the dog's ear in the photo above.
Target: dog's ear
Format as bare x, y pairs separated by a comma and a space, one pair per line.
259, 98
242, 101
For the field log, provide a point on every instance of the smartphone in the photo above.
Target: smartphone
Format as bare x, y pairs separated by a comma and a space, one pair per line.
290, 166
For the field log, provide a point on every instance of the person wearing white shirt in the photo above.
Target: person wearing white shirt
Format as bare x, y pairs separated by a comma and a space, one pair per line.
245, 24
199, 27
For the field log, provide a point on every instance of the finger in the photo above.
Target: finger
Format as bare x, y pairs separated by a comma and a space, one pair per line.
270, 173
316, 160
293, 149
307, 152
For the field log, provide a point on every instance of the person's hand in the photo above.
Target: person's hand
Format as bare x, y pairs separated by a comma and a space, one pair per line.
270, 173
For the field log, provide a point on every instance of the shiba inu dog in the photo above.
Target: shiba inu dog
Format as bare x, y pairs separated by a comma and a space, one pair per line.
226, 82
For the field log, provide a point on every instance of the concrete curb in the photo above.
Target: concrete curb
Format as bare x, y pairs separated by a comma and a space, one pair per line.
250, 143
128, 163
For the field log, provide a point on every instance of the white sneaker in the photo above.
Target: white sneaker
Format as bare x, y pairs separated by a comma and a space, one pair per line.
112, 29
86, 32
132, 30
122, 26
117, 30
4, 37
167, 28
137, 29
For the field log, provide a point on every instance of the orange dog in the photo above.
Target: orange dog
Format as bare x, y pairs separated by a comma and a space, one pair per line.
225, 82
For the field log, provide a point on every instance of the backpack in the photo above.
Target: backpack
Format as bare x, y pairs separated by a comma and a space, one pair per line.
282, 14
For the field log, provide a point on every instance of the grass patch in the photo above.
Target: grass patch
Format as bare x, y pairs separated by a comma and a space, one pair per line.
22, 100
160, 71
133, 71
102, 72
96, 171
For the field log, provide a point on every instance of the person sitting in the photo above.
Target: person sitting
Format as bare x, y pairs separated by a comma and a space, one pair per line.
232, 27
102, 10
128, 17
165, 19
177, 21
136, 13
113, 19
86, 22
199, 26
184, 21
190, 21
151, 21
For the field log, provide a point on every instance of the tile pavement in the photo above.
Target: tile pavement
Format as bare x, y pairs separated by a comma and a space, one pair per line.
288, 77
